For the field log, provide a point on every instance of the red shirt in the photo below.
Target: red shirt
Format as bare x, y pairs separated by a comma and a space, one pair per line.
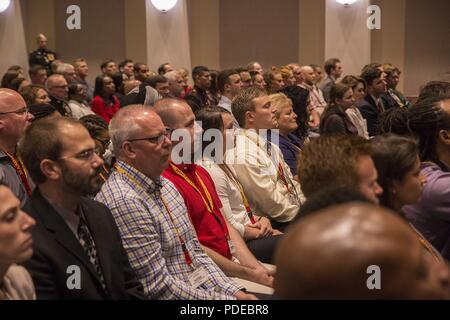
106, 112
211, 228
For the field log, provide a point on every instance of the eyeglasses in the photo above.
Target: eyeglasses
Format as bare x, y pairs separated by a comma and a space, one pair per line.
104, 143
19, 112
85, 155
159, 139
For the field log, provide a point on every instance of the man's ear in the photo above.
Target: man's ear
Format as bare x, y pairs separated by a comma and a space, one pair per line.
128, 150
444, 137
249, 117
50, 169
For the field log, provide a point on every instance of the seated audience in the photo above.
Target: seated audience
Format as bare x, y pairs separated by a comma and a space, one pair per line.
58, 89
81, 74
288, 76
274, 81
98, 130
160, 84
258, 163
371, 106
246, 78
72, 230
220, 240
9, 76
300, 98
335, 119
126, 69
200, 96
35, 94
78, 101
184, 73
105, 103
258, 80
14, 118
151, 215
342, 243
333, 69
230, 84
108, 68
392, 96
286, 123
393, 121
38, 74
398, 165
434, 89
141, 71
358, 86
16, 246
255, 66
256, 231
176, 82
429, 121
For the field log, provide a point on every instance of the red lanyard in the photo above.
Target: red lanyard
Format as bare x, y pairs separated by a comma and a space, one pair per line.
19, 167
187, 257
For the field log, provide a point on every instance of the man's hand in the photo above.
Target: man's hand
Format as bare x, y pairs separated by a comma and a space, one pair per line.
241, 295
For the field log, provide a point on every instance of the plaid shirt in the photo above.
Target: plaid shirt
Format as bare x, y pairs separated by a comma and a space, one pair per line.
151, 242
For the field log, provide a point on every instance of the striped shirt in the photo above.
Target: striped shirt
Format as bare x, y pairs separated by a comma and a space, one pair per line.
151, 241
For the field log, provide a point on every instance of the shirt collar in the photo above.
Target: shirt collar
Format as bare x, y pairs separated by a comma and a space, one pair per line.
145, 182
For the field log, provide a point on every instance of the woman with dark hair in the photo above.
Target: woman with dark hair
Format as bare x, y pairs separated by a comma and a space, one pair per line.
335, 119
35, 94
393, 120
256, 231
9, 76
43, 110
98, 130
300, 102
105, 104
119, 83
78, 94
19, 83
396, 159
358, 86
429, 121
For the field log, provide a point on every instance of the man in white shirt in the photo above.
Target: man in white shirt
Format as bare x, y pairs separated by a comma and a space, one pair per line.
259, 164
230, 84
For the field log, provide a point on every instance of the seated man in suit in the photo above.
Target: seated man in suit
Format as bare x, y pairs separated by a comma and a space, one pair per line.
371, 106
78, 252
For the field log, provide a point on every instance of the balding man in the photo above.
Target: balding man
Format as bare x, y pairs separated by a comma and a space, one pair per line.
157, 234
14, 118
221, 241
255, 66
308, 76
58, 90
68, 71
357, 251
42, 55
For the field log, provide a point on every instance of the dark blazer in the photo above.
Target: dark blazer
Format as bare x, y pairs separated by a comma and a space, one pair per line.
369, 111
56, 248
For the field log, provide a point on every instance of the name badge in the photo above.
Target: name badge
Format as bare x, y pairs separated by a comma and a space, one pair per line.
198, 277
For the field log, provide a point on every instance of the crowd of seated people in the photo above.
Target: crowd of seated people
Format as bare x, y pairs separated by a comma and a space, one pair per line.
157, 186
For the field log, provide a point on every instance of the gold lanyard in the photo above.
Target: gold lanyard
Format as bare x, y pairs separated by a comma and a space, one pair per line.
187, 257
209, 204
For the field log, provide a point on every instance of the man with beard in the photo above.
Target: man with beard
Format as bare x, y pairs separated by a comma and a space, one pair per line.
78, 252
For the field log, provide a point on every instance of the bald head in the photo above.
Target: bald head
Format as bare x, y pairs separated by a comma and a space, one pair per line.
10, 100
173, 112
42, 41
335, 248
308, 75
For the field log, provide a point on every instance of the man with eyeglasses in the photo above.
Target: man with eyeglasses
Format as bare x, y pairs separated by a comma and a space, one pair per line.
78, 252
14, 118
58, 90
158, 236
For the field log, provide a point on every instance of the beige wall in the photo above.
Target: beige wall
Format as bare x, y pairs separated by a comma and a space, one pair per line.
102, 34
204, 34
266, 31
311, 43
135, 32
427, 44
13, 49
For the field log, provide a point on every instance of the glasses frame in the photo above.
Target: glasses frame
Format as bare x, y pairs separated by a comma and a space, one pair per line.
19, 112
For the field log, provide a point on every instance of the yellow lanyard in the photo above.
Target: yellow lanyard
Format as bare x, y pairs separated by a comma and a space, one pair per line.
209, 204
187, 257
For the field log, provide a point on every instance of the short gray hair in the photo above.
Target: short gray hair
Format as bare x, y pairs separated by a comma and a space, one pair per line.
171, 76
123, 125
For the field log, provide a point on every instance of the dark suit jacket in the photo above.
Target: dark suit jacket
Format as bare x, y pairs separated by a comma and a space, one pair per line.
56, 248
369, 111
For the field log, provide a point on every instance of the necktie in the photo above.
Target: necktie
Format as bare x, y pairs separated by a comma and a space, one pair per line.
86, 241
